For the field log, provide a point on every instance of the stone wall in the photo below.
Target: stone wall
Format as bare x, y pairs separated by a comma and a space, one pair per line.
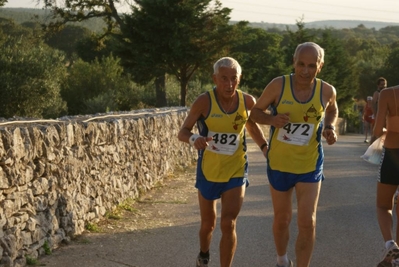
57, 176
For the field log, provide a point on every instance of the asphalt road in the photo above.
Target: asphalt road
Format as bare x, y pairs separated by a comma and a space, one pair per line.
347, 229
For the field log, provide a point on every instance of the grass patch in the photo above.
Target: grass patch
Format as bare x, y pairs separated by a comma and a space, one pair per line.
113, 215
127, 205
92, 227
47, 248
30, 261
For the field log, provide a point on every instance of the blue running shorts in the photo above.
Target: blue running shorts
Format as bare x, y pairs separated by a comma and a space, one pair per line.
212, 190
283, 181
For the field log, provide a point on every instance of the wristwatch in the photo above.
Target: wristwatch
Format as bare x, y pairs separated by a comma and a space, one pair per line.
331, 127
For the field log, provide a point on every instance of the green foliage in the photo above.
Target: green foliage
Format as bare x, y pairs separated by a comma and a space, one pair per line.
338, 69
92, 227
352, 117
68, 38
293, 38
267, 62
31, 261
94, 86
137, 97
127, 204
90, 48
371, 60
391, 65
47, 248
195, 88
156, 43
9, 29
113, 215
30, 76
101, 103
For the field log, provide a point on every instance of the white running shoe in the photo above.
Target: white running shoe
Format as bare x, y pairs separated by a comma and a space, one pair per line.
390, 255
290, 264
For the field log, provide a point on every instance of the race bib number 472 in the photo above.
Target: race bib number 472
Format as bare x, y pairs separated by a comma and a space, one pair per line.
296, 133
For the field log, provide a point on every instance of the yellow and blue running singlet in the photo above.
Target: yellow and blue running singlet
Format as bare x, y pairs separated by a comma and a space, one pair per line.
225, 156
296, 147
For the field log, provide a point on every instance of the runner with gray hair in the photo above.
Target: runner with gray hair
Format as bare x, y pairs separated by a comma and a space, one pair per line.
221, 115
304, 109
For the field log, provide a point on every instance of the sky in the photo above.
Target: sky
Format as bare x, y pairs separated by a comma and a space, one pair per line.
290, 11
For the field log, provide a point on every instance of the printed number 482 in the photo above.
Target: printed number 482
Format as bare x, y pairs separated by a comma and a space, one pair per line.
225, 138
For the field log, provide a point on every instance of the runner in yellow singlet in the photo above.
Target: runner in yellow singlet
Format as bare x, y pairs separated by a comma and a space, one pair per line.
221, 115
304, 109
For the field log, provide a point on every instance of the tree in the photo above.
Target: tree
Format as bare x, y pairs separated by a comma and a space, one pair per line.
259, 55
83, 10
339, 69
30, 79
92, 84
392, 65
174, 37
89, 48
370, 62
68, 38
159, 37
293, 38
30, 74
3, 2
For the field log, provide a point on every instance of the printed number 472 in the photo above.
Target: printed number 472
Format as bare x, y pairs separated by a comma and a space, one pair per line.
292, 128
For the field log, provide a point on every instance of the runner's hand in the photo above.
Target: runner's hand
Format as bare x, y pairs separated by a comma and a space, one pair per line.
280, 120
202, 142
330, 136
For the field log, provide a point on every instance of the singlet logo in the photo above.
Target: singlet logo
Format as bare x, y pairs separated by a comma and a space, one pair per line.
311, 113
287, 102
238, 121
214, 115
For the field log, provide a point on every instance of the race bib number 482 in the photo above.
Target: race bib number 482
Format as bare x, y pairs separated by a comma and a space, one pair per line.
223, 143
296, 133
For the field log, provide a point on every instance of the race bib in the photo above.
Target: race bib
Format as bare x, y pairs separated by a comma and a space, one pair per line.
223, 143
296, 133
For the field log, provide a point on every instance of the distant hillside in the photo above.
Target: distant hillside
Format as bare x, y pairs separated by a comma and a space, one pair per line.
338, 24
341, 24
21, 15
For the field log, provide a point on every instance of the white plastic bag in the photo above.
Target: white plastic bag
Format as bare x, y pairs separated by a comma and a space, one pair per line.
374, 151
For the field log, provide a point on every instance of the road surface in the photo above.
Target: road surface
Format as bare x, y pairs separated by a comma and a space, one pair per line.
347, 228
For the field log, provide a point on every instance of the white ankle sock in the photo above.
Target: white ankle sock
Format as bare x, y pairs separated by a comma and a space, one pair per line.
388, 243
282, 260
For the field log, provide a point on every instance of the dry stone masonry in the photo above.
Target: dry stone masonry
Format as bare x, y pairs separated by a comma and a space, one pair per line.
57, 176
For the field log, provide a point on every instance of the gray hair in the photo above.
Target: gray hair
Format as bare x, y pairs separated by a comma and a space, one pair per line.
227, 62
319, 49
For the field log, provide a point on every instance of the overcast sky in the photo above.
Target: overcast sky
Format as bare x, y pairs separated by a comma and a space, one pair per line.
289, 11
